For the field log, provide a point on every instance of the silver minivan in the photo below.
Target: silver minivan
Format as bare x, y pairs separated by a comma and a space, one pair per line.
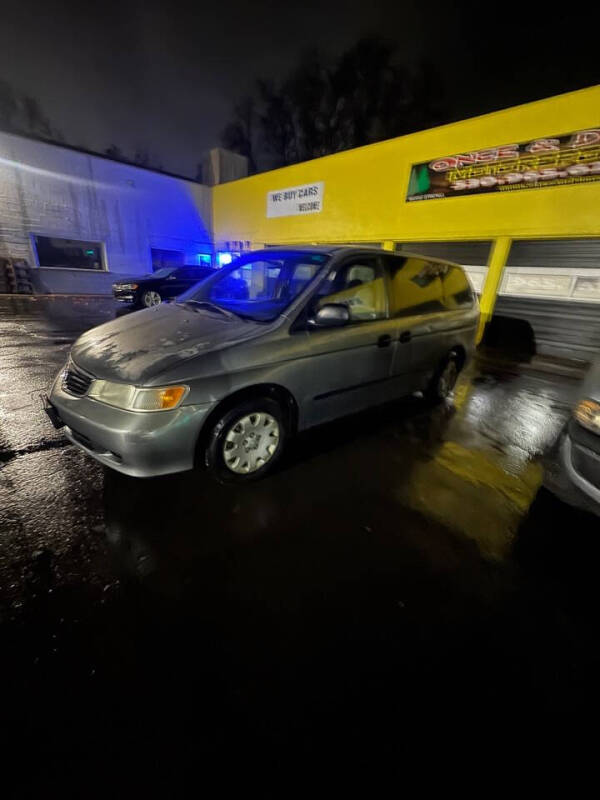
581, 443
277, 341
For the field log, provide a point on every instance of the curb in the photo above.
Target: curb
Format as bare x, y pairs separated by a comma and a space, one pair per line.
53, 296
575, 370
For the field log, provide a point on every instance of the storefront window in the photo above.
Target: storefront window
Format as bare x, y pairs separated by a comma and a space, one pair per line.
68, 253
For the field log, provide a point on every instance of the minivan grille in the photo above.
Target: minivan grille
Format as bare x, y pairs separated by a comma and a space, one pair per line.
75, 381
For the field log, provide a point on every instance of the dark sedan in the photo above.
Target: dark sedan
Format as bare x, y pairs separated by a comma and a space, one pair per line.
144, 291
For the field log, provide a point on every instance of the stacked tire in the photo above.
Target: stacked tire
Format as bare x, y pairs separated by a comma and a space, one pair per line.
5, 286
15, 276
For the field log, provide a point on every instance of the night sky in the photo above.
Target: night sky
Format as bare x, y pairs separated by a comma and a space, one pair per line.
163, 76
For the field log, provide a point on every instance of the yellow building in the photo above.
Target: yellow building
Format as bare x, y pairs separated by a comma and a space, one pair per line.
514, 196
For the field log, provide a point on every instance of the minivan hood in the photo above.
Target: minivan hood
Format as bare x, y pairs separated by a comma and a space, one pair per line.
138, 347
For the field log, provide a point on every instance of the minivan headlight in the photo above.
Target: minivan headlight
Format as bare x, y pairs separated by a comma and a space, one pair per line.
131, 398
587, 413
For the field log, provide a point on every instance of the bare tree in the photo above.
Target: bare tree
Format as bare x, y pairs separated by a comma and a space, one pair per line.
239, 134
8, 106
366, 96
278, 128
141, 157
22, 113
114, 151
35, 120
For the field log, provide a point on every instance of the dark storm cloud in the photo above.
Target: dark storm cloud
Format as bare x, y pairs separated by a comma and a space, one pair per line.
163, 76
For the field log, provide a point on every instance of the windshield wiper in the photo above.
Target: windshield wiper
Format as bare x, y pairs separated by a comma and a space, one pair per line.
209, 307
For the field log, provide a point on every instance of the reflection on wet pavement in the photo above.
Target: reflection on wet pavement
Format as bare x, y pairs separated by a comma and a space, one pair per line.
485, 471
408, 548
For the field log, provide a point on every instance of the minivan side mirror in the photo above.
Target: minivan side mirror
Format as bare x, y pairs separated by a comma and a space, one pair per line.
331, 315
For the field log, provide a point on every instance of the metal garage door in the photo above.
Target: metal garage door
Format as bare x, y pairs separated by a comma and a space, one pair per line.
467, 253
560, 328
554, 285
578, 253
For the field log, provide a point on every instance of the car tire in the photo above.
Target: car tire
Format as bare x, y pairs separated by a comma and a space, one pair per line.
150, 298
443, 380
243, 437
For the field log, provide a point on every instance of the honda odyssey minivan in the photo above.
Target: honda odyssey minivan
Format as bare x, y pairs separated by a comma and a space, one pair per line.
275, 342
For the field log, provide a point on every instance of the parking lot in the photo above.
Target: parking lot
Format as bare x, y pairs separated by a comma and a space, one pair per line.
408, 563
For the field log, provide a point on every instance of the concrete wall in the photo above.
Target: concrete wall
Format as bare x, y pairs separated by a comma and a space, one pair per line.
221, 166
365, 189
53, 191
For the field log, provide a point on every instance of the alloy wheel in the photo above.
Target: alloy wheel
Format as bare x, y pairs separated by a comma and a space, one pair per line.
151, 299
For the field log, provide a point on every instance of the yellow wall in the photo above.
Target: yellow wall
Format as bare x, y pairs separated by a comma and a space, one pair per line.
365, 189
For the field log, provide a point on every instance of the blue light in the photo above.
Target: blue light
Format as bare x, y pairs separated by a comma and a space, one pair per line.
203, 259
224, 258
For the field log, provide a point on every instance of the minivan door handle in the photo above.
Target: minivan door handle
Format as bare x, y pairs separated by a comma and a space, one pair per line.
405, 337
384, 340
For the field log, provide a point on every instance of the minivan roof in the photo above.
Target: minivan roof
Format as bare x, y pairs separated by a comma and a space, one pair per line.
349, 248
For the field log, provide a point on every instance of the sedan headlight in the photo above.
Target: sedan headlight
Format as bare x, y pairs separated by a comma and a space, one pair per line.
131, 398
126, 285
587, 413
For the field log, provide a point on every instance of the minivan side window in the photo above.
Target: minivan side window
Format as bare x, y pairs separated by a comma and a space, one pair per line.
415, 286
456, 288
359, 285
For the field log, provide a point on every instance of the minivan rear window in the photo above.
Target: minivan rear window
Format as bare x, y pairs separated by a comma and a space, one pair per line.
415, 286
456, 288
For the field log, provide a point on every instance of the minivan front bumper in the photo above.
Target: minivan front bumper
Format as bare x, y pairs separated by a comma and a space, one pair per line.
141, 444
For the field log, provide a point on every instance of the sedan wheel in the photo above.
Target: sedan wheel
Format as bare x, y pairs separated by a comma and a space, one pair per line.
250, 443
151, 298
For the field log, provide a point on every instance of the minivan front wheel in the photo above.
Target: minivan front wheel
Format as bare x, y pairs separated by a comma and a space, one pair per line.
247, 441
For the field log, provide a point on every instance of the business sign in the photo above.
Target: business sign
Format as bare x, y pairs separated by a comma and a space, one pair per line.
557, 161
305, 199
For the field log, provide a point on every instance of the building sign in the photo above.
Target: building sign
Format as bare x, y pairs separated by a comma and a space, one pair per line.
557, 161
532, 283
305, 199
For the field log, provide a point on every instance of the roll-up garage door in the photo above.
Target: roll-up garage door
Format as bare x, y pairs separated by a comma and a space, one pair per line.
578, 253
473, 256
554, 285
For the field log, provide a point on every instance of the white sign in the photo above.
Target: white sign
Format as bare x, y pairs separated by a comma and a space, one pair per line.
529, 283
305, 199
587, 287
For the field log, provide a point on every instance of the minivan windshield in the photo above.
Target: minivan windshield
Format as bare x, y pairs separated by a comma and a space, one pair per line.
258, 286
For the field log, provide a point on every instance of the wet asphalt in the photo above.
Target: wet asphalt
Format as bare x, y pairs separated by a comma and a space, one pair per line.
410, 565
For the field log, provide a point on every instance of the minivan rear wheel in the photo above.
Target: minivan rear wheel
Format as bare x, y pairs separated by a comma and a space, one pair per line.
443, 380
247, 441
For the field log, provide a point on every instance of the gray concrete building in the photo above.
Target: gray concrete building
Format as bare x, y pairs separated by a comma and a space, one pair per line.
81, 221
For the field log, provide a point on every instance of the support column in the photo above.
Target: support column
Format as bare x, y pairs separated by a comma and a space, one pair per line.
388, 245
498, 257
